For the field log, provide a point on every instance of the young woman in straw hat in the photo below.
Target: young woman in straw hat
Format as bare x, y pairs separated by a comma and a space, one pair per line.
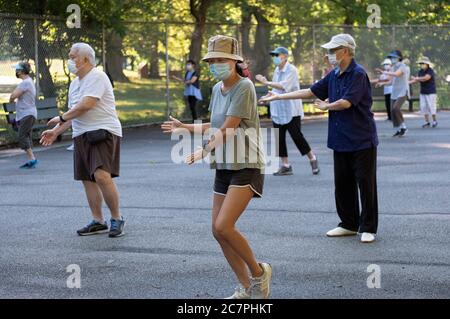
239, 176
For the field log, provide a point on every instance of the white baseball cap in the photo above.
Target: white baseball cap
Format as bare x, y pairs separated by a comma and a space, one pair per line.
340, 40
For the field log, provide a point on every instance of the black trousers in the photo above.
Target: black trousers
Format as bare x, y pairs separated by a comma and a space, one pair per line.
294, 127
387, 103
353, 171
192, 101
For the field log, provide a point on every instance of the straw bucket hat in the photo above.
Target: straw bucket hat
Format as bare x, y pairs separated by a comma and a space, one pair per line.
425, 60
221, 46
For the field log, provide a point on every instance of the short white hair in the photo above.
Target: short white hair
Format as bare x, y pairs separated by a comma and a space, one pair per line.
85, 50
351, 51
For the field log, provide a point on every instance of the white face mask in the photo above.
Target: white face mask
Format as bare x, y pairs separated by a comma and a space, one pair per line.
189, 67
72, 66
332, 59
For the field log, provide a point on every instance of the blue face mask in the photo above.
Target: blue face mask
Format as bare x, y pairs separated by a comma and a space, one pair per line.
276, 60
220, 71
394, 60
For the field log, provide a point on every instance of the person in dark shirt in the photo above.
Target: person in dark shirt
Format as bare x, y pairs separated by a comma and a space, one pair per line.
192, 92
427, 91
346, 93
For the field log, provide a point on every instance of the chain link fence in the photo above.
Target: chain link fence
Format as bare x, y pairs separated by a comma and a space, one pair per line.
144, 57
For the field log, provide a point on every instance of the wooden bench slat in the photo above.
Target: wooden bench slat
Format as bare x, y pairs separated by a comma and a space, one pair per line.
9, 107
47, 103
47, 113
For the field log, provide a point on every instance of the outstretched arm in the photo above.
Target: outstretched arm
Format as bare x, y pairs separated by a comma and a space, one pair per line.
300, 94
174, 125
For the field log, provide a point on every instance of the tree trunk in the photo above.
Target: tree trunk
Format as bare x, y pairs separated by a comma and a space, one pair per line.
262, 44
46, 84
297, 49
199, 9
114, 57
154, 60
247, 50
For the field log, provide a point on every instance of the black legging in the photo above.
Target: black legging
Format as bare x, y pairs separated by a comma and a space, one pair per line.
387, 102
294, 129
192, 101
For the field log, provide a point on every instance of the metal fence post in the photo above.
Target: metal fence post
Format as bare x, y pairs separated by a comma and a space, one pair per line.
314, 53
104, 48
36, 56
167, 68
393, 37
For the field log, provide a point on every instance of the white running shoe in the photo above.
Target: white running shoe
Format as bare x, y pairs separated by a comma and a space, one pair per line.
240, 293
367, 238
260, 287
70, 148
339, 232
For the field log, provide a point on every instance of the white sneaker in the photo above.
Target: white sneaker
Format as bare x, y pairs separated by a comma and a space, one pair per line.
339, 232
240, 293
367, 238
260, 287
70, 148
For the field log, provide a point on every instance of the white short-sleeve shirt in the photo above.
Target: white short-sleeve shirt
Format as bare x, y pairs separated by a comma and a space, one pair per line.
282, 111
103, 116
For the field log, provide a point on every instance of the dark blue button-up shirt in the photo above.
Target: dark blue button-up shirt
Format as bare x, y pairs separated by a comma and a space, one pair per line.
352, 129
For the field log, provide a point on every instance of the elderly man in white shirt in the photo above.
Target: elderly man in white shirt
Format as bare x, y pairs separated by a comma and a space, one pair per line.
287, 114
97, 134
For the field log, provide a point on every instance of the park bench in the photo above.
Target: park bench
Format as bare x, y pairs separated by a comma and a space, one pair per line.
378, 96
46, 109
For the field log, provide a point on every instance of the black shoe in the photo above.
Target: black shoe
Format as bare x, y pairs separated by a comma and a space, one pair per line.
315, 166
396, 134
284, 171
403, 132
427, 124
116, 229
93, 228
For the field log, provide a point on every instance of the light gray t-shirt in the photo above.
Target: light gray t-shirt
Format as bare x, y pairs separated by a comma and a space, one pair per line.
400, 85
245, 150
26, 103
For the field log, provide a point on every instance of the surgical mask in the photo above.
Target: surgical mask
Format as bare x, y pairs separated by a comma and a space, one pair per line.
333, 61
386, 67
394, 60
276, 60
72, 66
423, 66
220, 71
189, 67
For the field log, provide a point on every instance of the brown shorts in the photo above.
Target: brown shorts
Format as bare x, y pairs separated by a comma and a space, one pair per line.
88, 158
247, 177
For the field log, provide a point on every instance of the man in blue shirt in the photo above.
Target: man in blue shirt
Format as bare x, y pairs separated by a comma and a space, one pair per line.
346, 93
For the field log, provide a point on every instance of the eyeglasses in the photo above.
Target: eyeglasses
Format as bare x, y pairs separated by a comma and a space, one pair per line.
274, 54
331, 51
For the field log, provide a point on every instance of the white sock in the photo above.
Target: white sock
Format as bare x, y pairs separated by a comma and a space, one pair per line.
403, 126
287, 165
313, 158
